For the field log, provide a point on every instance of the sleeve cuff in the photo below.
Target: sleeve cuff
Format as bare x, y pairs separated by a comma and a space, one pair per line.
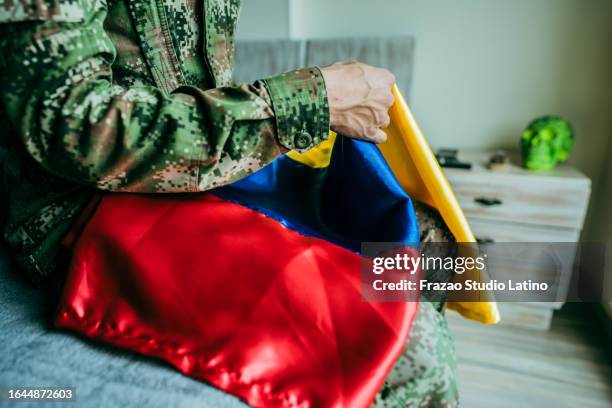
299, 100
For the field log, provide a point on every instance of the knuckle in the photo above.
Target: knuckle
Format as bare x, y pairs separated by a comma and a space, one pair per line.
385, 121
388, 99
372, 133
391, 100
389, 75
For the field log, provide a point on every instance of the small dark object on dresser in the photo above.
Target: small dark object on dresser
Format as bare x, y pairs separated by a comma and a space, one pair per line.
448, 158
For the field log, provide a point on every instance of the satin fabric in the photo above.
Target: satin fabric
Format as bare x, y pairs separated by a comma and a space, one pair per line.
253, 298
417, 170
355, 199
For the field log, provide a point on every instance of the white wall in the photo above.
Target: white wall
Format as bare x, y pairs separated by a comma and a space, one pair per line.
602, 211
484, 68
264, 19
601, 226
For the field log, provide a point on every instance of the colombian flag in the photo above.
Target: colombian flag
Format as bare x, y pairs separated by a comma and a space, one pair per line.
255, 287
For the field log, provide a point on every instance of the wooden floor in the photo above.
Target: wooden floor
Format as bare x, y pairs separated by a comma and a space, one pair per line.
568, 366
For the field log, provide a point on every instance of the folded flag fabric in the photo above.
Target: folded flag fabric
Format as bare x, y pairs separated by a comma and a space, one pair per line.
254, 287
416, 168
354, 198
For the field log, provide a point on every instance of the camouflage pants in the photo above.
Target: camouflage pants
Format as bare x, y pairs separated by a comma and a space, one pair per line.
424, 374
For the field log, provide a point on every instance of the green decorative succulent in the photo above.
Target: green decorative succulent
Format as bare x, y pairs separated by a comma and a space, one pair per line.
546, 142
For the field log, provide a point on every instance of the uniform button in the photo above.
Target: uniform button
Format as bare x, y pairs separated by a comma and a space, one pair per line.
303, 140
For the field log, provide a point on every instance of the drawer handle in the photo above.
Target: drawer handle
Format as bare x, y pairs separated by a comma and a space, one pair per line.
488, 201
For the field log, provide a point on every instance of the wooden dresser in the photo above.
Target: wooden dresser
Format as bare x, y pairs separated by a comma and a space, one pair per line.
519, 205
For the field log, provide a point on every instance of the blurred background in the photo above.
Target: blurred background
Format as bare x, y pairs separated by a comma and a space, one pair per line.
483, 68
476, 73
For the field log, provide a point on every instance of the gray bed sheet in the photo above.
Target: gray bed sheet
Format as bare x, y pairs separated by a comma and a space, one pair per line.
34, 354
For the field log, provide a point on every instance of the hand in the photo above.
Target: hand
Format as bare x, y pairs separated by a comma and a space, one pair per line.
359, 99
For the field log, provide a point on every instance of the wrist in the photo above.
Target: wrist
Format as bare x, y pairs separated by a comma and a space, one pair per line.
301, 108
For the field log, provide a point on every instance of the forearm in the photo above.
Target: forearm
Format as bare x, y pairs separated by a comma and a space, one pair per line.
140, 140
78, 125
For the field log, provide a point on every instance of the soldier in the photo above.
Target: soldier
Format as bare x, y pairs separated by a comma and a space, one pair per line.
134, 96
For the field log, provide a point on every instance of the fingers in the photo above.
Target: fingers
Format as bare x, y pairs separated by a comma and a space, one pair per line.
386, 76
381, 114
389, 99
359, 98
375, 135
379, 137
380, 78
385, 121
389, 77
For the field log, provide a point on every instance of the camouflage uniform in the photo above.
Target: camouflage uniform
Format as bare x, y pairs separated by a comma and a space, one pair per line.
425, 374
136, 96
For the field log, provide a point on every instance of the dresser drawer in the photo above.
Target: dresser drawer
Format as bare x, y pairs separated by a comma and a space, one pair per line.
551, 262
499, 231
522, 206
528, 200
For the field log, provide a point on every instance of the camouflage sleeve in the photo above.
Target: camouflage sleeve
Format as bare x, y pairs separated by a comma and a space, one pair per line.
56, 81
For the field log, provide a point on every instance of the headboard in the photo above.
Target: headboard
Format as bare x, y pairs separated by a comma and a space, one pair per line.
260, 59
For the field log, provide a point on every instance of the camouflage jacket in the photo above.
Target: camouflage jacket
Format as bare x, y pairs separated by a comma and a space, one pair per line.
132, 96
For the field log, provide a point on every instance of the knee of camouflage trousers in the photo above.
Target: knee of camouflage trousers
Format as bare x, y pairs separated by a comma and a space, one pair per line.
425, 373
424, 376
